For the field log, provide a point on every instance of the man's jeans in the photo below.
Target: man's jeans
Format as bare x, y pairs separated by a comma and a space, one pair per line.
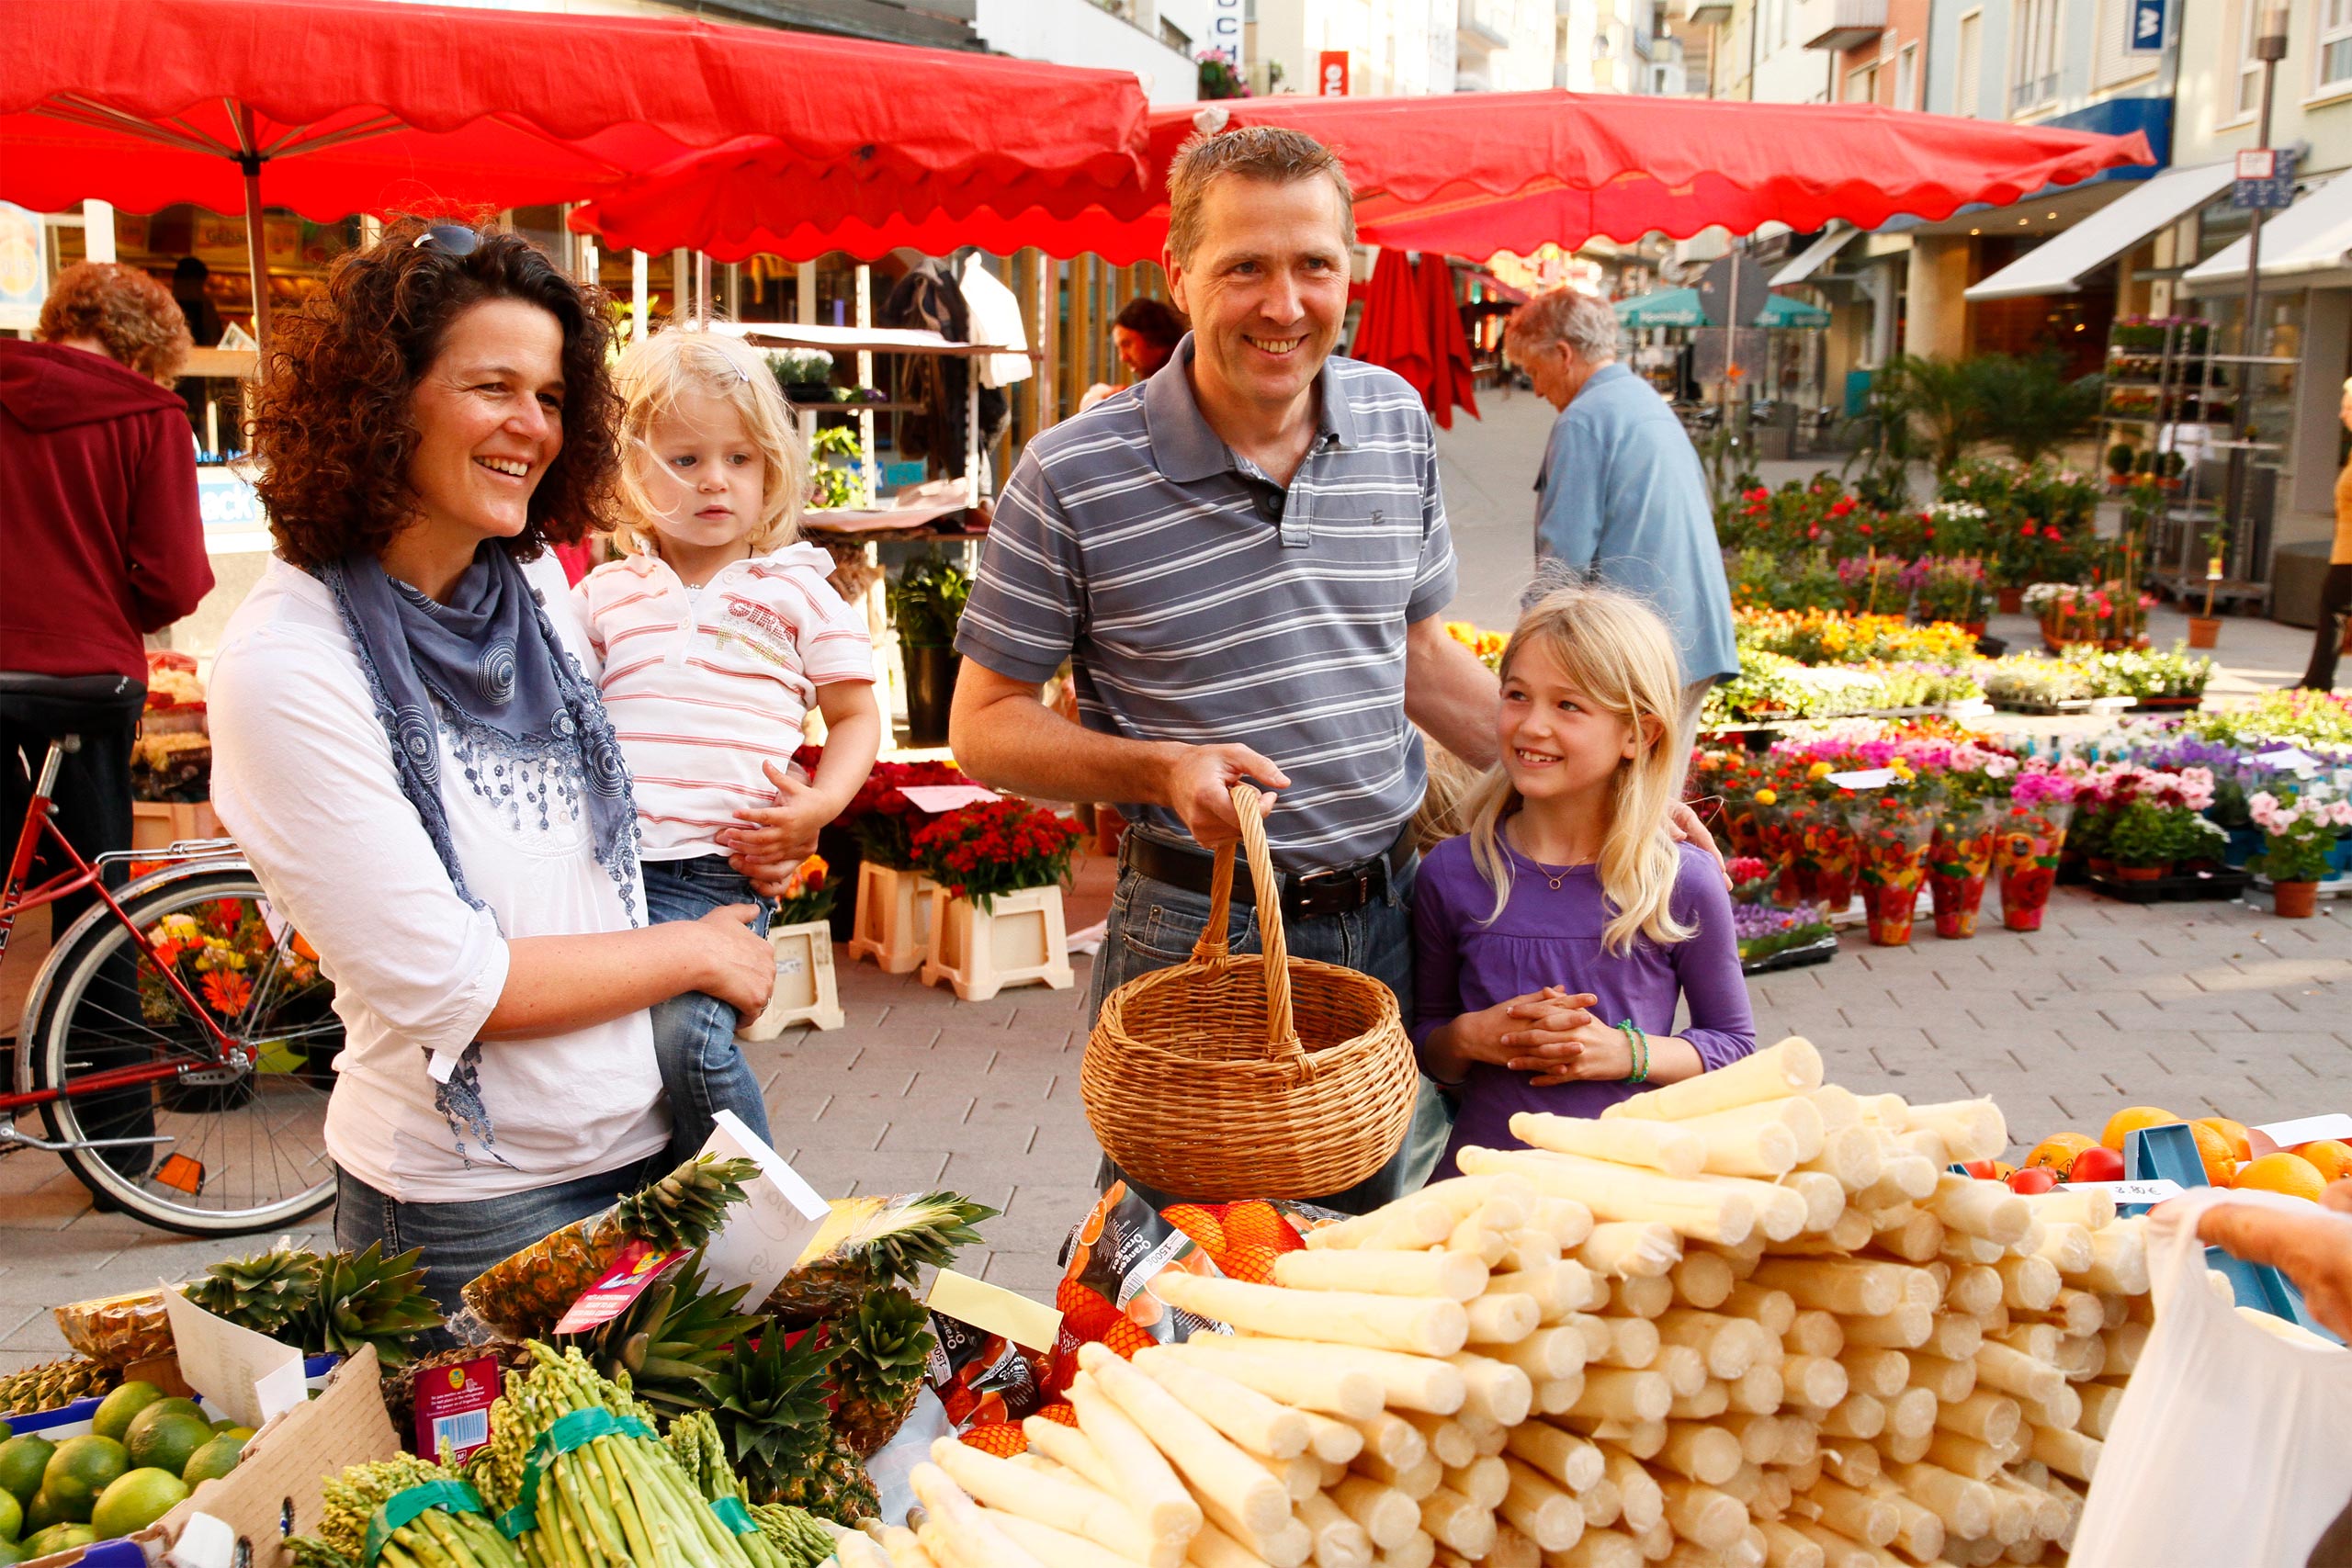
1153, 925
461, 1240
703, 1070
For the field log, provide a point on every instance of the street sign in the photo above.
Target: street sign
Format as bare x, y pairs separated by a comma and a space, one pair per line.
2147, 28
1331, 73
1715, 287
2265, 179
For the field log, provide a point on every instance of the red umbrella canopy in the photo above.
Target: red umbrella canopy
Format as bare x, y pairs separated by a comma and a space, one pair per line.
1451, 380
1472, 174
1394, 329
368, 106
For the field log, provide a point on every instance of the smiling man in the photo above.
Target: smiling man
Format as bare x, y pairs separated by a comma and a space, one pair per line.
1244, 560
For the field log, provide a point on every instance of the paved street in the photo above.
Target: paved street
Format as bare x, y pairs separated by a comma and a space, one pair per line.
2196, 1007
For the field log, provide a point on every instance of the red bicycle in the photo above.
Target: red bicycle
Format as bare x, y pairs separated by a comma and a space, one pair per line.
178, 1042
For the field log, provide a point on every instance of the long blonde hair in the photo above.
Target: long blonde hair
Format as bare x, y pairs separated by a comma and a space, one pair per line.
655, 373
1614, 648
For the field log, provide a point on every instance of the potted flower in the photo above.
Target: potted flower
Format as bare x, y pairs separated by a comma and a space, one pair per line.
802, 938
2142, 840
2031, 834
892, 914
1891, 827
1875, 585
1948, 588
996, 898
2299, 834
1959, 855
926, 601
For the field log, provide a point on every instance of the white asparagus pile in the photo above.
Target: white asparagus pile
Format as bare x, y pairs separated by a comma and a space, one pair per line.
1745, 1321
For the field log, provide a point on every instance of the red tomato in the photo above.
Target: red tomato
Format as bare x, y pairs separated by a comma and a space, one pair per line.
2030, 1181
2096, 1165
1981, 1169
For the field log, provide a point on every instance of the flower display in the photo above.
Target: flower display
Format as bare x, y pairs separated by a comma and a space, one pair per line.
1960, 856
884, 819
1003, 846
1892, 828
807, 893
1488, 646
220, 949
2030, 836
2299, 827
1764, 929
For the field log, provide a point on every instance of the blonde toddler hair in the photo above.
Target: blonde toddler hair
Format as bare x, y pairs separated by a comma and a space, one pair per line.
1617, 652
655, 373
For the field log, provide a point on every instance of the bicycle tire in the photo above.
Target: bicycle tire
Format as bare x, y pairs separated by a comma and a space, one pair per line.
85, 1009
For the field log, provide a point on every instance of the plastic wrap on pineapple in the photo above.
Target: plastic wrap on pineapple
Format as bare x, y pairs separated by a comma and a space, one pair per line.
117, 1330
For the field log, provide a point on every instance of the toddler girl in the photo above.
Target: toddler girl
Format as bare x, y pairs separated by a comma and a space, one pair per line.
717, 634
1556, 937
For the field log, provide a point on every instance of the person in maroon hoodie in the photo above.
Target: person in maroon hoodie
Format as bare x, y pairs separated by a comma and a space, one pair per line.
104, 545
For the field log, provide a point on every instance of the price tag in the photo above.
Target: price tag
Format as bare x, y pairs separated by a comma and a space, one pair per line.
1867, 778
2155, 1191
637, 1268
936, 798
2287, 757
763, 1236
2307, 1130
246, 1376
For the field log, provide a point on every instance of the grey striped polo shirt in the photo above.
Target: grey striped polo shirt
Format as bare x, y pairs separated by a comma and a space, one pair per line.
1199, 602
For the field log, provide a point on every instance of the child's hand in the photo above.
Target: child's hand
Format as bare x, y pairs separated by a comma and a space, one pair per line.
1501, 1035
1561, 1042
784, 833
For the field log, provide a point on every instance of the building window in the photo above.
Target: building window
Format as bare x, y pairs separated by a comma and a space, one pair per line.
2033, 68
1968, 78
1906, 75
1861, 86
2335, 44
2248, 95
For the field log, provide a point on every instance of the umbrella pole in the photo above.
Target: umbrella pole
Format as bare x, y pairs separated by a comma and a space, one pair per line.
249, 159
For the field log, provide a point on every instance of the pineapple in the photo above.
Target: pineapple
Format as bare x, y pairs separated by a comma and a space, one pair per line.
670, 1340
117, 1330
879, 1369
524, 1294
868, 1244
53, 1385
366, 1298
771, 1409
264, 1292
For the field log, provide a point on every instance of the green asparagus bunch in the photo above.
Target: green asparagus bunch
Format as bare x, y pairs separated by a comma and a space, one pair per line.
619, 1499
801, 1539
433, 1538
694, 1441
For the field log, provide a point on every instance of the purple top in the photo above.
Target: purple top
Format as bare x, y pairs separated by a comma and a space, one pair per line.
1546, 937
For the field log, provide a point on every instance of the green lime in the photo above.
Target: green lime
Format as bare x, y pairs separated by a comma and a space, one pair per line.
22, 1460
43, 1511
58, 1537
12, 1516
162, 1409
116, 1409
12, 1553
136, 1501
214, 1460
167, 1445
84, 1467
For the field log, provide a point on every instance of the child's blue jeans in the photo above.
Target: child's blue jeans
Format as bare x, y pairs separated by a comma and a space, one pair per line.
703, 1070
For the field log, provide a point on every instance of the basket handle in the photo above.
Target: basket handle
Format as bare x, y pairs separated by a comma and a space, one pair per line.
1282, 1034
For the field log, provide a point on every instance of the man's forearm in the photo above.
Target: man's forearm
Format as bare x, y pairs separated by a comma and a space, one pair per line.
1450, 694
1017, 743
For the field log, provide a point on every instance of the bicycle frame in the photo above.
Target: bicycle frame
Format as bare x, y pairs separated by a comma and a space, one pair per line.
15, 898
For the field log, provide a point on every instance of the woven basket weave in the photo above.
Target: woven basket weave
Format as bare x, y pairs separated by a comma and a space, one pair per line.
1246, 1075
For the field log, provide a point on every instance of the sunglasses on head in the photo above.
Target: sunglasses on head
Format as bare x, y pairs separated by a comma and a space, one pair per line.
449, 239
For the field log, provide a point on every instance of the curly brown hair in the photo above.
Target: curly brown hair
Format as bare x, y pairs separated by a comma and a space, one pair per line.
332, 425
123, 308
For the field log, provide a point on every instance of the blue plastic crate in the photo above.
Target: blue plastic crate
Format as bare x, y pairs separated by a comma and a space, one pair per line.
2170, 1153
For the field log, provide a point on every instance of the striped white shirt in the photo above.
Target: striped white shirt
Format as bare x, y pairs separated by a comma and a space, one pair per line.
704, 689
1199, 602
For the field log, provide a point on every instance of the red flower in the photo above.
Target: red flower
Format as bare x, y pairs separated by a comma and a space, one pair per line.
1862, 528
227, 992
2050, 533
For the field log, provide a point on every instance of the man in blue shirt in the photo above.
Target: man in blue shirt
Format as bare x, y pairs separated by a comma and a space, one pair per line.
1621, 497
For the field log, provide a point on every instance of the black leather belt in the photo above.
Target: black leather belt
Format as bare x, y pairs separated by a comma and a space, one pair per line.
1306, 896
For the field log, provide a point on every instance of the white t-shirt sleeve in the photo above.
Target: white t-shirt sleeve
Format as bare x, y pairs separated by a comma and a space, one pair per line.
830, 631
302, 778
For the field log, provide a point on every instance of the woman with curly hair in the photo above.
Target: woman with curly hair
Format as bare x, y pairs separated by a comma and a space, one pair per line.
409, 750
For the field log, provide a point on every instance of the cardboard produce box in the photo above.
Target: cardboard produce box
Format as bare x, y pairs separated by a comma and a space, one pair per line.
276, 1489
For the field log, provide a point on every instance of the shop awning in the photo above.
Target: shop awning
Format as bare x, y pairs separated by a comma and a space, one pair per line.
1471, 174
2058, 265
1681, 308
1815, 256
2314, 235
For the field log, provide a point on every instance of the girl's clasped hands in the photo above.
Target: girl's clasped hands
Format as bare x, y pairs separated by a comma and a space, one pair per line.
1552, 1033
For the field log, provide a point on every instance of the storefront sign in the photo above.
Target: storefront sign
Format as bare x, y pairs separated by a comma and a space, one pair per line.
1331, 73
1225, 29
2147, 28
2265, 179
24, 266
233, 520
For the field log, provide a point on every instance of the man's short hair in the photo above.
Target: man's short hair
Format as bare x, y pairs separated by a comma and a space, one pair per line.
1269, 152
1154, 320
1563, 315
125, 311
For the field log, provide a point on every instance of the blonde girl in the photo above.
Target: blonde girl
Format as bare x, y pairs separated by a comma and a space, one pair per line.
1555, 939
719, 633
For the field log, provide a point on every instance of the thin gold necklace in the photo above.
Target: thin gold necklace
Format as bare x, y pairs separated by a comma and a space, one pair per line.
1556, 883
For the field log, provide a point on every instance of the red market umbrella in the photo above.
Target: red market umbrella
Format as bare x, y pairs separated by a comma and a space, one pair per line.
1452, 379
1393, 331
1471, 174
331, 106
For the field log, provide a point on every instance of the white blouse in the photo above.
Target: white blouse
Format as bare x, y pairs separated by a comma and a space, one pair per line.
303, 777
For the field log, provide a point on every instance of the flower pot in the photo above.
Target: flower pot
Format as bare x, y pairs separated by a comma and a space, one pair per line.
1019, 940
803, 991
2142, 873
2010, 601
1890, 907
930, 690
2101, 867
2295, 900
893, 919
2204, 631
1974, 628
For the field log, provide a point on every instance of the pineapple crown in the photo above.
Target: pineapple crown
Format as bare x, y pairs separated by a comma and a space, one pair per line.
263, 1292
770, 1396
364, 1298
670, 1338
890, 1331
902, 1238
685, 1207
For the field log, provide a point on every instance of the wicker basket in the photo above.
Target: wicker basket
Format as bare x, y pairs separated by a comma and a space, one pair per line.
1246, 1076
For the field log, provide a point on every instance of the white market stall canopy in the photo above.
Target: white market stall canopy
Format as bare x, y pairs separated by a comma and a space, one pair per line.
2057, 265
2312, 236
857, 340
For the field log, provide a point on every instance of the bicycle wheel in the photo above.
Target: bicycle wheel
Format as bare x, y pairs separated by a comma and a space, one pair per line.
244, 1147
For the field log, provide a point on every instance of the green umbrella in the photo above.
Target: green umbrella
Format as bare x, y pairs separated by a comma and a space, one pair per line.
1681, 308
1784, 310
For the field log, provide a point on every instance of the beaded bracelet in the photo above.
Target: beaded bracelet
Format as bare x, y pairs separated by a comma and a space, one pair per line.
1638, 1043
